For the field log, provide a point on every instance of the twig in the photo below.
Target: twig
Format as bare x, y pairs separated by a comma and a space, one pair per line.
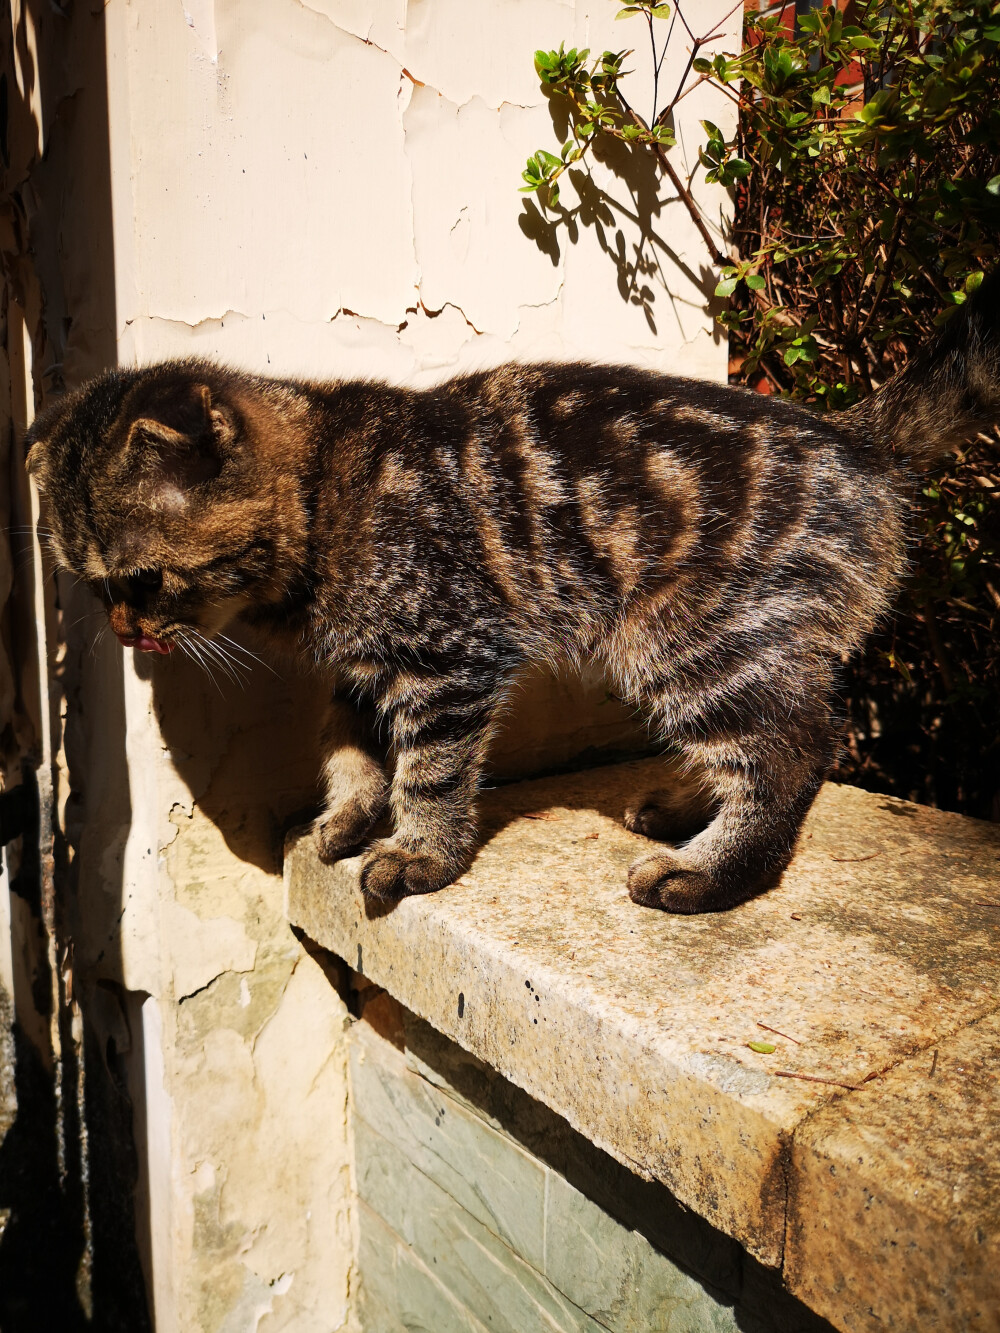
897, 231
779, 1034
684, 194
870, 857
937, 648
876, 1073
815, 1078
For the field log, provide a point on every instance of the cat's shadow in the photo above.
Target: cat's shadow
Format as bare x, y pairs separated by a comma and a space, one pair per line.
249, 754
248, 750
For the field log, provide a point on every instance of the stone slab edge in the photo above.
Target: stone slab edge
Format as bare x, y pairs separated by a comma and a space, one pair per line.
717, 1153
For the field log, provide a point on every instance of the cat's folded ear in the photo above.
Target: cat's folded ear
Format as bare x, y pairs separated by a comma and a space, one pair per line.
38, 436
181, 441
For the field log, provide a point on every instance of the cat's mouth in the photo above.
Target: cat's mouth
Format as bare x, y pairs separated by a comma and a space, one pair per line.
145, 643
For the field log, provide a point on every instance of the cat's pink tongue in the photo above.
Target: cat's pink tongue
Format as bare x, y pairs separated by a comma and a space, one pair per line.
145, 644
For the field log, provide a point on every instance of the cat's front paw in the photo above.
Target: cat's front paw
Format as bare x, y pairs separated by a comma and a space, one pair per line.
664, 881
343, 831
389, 872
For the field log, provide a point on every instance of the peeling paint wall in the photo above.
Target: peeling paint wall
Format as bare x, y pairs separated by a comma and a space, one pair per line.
326, 188
371, 222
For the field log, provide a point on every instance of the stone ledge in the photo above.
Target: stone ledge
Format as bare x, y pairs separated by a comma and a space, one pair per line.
857, 1156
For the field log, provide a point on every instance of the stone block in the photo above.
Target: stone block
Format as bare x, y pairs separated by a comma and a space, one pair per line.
484, 1274
645, 1205
634, 1027
614, 1273
484, 1172
397, 1293
894, 1217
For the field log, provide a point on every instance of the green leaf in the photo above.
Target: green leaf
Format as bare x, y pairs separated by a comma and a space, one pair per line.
762, 1047
900, 666
625, 13
726, 287
993, 186
755, 281
661, 11
701, 65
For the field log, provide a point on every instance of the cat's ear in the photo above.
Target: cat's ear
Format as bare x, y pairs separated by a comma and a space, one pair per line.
36, 462
37, 440
183, 442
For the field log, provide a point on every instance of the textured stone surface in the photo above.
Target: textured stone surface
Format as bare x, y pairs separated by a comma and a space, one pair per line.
486, 1175
635, 1025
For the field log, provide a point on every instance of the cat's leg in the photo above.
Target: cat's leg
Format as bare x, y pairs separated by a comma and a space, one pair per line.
441, 729
357, 789
765, 781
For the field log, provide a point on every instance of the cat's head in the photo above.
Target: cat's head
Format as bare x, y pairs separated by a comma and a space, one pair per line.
161, 499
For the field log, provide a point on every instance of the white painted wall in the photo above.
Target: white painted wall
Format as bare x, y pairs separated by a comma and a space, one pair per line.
331, 188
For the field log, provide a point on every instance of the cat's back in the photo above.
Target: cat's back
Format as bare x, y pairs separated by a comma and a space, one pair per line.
594, 416
625, 442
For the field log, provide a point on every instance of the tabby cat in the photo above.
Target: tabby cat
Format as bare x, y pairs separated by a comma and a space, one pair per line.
717, 552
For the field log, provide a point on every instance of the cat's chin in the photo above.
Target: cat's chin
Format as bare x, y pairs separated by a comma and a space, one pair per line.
144, 643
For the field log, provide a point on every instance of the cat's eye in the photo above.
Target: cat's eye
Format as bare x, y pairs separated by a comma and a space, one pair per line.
149, 579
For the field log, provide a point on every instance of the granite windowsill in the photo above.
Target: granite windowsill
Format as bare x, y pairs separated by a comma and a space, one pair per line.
858, 1156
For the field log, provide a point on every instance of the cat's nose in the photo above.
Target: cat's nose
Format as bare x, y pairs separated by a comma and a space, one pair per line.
122, 623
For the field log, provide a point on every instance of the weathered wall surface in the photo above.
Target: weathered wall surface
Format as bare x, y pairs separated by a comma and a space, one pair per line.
317, 187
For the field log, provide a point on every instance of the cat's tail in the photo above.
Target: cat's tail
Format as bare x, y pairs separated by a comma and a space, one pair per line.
948, 392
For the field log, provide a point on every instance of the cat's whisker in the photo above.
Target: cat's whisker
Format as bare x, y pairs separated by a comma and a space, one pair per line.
243, 649
188, 645
88, 615
232, 667
213, 653
98, 640
233, 664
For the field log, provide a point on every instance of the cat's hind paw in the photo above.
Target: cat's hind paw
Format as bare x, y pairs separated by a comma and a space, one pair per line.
668, 816
389, 872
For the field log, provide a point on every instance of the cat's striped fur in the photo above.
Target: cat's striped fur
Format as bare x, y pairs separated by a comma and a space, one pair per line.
718, 552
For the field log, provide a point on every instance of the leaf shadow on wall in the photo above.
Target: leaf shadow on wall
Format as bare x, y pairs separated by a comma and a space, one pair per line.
627, 224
